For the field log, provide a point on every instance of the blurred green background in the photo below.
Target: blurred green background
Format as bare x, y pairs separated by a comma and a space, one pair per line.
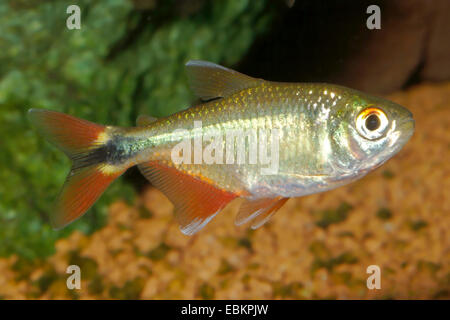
127, 59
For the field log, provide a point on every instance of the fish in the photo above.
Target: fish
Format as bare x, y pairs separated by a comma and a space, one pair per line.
262, 141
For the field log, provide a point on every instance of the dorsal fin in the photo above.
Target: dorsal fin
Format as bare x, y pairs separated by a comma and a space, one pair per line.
258, 211
144, 120
196, 202
209, 80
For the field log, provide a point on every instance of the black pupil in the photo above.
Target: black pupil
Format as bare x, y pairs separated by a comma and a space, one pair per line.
372, 122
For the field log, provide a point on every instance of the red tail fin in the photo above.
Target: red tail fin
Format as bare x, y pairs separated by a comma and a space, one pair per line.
80, 191
84, 143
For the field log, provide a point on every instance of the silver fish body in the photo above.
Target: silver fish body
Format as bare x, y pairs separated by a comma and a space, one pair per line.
259, 140
319, 146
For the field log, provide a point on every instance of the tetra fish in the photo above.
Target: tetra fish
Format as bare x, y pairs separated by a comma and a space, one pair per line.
322, 136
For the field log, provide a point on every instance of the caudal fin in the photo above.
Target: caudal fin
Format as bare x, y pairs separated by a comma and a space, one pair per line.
84, 143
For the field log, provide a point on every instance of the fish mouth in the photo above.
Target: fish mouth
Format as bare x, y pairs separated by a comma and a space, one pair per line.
401, 135
406, 129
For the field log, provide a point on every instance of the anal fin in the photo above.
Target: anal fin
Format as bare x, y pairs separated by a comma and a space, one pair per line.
196, 201
258, 211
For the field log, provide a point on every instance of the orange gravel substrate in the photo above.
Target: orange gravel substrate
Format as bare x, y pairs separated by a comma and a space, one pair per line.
318, 246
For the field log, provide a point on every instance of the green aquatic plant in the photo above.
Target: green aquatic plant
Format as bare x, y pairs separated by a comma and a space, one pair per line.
127, 59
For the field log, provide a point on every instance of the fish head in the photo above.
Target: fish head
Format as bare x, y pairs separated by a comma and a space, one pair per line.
374, 130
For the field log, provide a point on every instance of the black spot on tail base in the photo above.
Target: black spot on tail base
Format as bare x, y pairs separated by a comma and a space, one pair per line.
115, 152
91, 157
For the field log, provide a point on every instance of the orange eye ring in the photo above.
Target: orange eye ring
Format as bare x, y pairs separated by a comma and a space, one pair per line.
371, 123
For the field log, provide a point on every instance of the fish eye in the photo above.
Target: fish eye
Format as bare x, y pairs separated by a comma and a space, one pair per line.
371, 123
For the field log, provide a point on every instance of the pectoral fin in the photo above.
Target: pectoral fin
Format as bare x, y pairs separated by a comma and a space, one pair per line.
258, 211
209, 80
196, 202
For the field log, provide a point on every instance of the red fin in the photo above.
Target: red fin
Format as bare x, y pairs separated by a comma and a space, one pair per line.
68, 133
196, 202
84, 143
258, 211
80, 191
